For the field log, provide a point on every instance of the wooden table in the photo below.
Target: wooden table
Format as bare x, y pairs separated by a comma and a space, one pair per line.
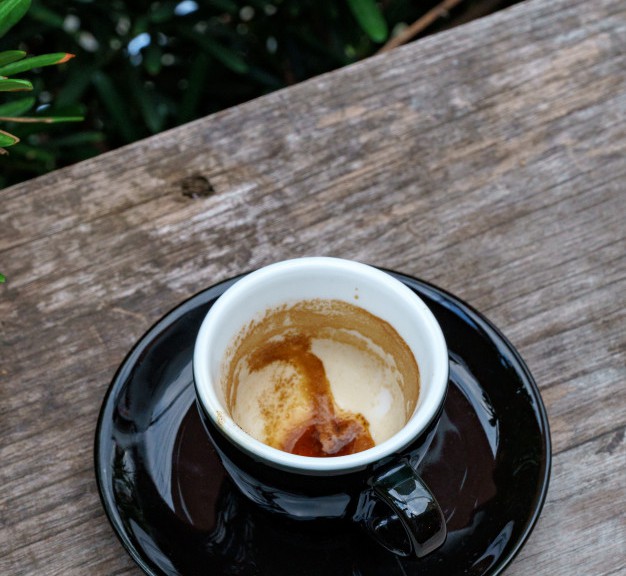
489, 160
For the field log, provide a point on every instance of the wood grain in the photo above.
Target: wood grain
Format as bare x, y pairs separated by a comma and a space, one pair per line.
489, 160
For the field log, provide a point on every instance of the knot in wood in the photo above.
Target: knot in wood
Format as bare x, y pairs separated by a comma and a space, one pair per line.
196, 186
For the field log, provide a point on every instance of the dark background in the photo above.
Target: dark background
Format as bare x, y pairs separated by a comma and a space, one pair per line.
142, 67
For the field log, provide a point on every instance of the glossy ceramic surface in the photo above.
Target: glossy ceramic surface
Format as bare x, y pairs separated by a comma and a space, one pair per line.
177, 512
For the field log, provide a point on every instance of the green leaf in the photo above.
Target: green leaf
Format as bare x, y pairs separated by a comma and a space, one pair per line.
2, 279
7, 139
43, 119
225, 55
197, 77
116, 105
17, 107
44, 159
46, 16
58, 119
152, 59
80, 139
9, 56
370, 19
14, 85
161, 12
77, 81
141, 25
152, 112
11, 12
35, 62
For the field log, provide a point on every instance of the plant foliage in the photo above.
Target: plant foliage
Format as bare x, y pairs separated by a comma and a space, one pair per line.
144, 66
14, 62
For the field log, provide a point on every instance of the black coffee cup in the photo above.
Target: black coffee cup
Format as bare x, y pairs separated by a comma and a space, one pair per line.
378, 488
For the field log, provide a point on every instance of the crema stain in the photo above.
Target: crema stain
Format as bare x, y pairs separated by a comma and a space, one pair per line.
329, 431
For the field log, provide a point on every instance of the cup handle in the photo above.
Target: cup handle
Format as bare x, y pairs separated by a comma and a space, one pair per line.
411, 522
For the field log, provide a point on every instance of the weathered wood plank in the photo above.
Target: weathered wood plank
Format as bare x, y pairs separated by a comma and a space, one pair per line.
598, 467
489, 160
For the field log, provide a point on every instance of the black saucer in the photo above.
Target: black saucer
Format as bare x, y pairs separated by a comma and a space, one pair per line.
176, 512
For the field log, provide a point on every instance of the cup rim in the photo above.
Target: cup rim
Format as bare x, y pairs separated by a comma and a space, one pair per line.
219, 415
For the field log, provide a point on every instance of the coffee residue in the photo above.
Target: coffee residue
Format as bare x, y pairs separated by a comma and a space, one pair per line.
314, 376
329, 431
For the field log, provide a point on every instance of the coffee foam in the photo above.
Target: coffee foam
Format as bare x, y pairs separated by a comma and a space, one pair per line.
371, 371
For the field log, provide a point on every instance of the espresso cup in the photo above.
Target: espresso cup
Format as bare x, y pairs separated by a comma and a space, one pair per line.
320, 382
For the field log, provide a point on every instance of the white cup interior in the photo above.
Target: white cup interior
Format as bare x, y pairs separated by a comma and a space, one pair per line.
326, 278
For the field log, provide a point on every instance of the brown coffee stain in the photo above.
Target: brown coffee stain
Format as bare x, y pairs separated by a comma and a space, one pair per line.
329, 431
298, 411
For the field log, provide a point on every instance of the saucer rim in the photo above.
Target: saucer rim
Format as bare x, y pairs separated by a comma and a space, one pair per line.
539, 406
442, 296
111, 511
